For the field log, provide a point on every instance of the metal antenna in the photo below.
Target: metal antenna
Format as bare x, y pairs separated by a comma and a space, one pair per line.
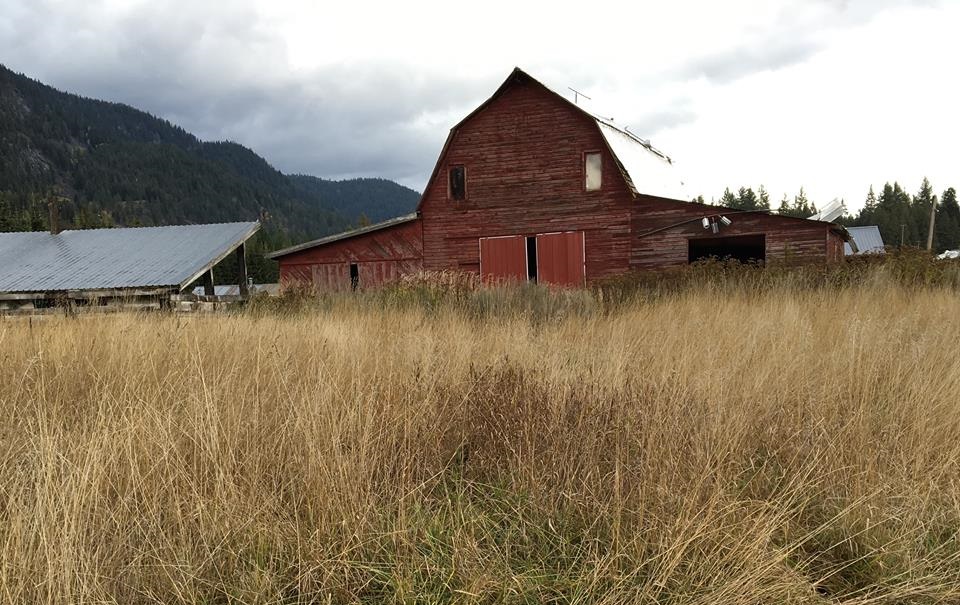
577, 94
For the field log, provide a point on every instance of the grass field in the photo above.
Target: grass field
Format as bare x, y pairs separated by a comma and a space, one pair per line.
707, 445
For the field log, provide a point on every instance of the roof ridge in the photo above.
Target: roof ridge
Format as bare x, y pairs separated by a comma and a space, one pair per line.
327, 239
138, 227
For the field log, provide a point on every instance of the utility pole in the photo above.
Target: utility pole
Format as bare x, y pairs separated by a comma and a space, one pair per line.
903, 230
933, 219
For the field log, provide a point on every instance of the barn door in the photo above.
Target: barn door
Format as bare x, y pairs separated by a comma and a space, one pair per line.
503, 259
560, 258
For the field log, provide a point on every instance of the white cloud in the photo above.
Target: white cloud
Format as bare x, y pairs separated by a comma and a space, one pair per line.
830, 94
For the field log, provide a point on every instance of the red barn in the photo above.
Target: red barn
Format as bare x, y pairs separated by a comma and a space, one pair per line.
532, 186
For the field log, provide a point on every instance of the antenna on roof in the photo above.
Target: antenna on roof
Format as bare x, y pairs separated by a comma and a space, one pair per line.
577, 94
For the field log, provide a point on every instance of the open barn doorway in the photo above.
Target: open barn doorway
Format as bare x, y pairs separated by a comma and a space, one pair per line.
743, 248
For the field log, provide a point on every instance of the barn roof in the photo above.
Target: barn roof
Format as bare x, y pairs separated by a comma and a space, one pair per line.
646, 169
400, 220
108, 259
867, 240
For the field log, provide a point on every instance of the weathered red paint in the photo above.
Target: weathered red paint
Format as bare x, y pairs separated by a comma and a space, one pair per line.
381, 256
560, 258
503, 259
523, 151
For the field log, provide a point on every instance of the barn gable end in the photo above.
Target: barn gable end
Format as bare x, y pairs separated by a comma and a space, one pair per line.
523, 156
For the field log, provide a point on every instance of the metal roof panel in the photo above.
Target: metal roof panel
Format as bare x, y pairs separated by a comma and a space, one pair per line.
867, 238
101, 259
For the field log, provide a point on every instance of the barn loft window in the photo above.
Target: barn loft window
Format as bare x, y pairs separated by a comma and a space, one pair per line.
458, 183
593, 170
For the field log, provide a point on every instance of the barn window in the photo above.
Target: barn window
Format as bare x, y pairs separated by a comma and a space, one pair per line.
458, 183
593, 170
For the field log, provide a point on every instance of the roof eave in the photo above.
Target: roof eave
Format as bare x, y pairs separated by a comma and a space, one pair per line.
247, 235
330, 239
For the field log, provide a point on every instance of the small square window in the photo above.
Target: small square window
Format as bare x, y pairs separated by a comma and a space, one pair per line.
593, 170
458, 183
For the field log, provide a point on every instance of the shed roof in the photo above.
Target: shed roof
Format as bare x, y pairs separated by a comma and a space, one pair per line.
867, 240
400, 220
107, 259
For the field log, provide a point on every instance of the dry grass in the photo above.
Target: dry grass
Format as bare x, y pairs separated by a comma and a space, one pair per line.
781, 446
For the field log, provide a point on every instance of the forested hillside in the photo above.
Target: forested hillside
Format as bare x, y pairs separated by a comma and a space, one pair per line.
115, 165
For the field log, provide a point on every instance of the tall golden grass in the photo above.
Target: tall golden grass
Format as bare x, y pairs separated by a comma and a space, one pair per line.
780, 445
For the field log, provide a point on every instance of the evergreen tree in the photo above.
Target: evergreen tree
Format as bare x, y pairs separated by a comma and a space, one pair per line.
763, 198
947, 234
784, 208
920, 208
869, 209
728, 200
746, 199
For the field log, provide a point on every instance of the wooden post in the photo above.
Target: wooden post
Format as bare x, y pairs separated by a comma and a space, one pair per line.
933, 219
242, 270
208, 289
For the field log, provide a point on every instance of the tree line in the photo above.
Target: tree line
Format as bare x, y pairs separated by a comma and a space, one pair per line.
903, 219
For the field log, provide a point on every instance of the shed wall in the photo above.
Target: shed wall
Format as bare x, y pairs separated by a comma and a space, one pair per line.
787, 239
381, 257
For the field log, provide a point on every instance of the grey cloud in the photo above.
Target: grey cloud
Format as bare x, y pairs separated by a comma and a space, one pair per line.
742, 61
219, 75
795, 36
649, 124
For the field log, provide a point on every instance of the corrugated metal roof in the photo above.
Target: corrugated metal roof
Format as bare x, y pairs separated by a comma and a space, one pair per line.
406, 218
867, 239
103, 259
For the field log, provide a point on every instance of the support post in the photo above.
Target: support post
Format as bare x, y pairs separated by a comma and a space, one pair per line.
208, 289
242, 270
933, 220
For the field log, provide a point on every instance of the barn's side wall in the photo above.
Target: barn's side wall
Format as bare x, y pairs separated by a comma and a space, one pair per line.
523, 155
381, 257
787, 239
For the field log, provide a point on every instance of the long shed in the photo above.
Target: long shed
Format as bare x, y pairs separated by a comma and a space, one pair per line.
530, 186
107, 267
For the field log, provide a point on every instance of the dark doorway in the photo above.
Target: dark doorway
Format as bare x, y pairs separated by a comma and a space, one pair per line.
354, 276
743, 248
532, 259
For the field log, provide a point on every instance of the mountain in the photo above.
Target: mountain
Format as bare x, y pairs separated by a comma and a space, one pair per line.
116, 165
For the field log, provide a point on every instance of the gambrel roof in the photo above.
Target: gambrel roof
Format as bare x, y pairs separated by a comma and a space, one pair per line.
646, 170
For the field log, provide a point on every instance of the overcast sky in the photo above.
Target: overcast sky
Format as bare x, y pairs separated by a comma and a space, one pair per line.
833, 95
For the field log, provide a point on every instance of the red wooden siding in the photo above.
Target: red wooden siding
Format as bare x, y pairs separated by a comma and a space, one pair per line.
560, 258
381, 256
523, 155
503, 259
787, 239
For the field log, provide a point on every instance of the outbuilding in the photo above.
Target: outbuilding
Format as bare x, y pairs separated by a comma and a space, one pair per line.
114, 268
530, 186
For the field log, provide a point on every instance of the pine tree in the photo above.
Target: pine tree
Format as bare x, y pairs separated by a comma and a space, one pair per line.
784, 207
728, 200
920, 213
763, 198
947, 235
746, 199
869, 210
